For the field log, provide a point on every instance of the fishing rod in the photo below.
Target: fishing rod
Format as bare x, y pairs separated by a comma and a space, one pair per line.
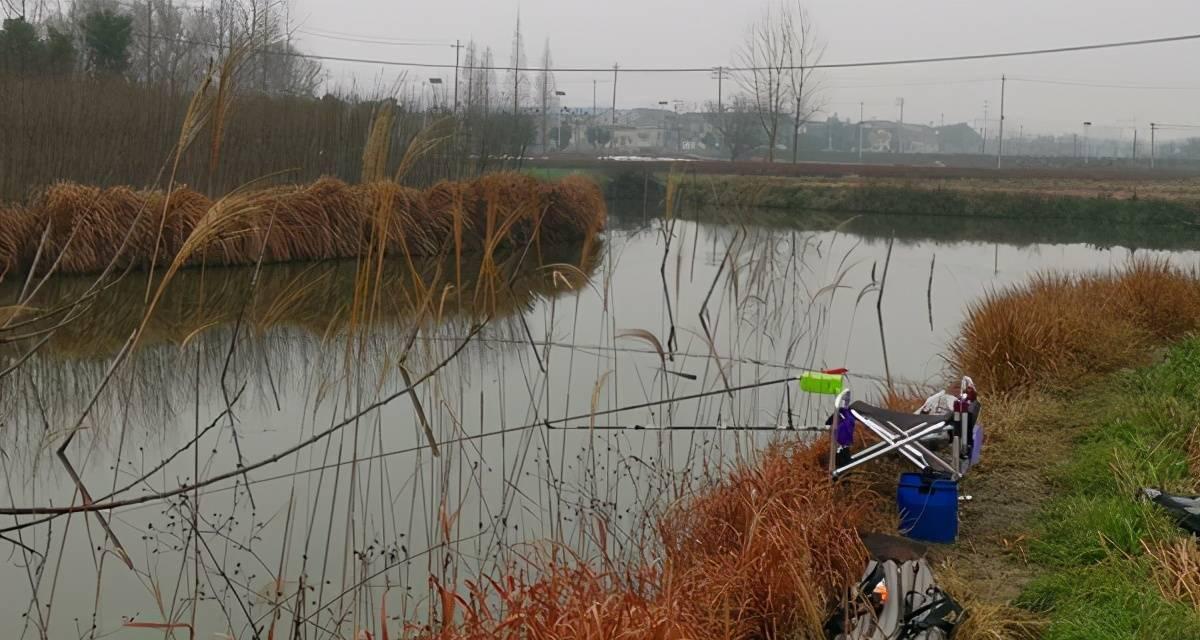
827, 382
680, 427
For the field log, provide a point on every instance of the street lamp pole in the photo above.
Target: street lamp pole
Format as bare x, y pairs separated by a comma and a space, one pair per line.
860, 132
1000, 144
560, 94
1087, 127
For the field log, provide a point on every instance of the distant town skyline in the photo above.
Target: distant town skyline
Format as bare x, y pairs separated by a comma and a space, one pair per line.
1045, 93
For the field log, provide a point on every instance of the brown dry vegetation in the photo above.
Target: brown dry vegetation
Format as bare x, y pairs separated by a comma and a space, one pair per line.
1055, 330
1177, 569
77, 229
763, 554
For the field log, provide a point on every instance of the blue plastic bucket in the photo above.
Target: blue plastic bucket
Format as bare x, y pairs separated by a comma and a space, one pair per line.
928, 508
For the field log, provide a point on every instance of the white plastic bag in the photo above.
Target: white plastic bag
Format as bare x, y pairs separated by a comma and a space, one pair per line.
938, 403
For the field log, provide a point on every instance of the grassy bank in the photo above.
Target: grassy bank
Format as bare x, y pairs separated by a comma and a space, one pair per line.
1163, 204
1083, 411
1062, 207
1112, 566
939, 229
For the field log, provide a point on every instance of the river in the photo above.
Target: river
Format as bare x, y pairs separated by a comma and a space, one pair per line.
651, 327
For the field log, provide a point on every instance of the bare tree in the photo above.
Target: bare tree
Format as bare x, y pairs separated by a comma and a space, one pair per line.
738, 124
546, 88
517, 79
806, 51
780, 47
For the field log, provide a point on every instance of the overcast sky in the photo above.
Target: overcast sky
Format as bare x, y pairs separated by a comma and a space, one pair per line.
692, 33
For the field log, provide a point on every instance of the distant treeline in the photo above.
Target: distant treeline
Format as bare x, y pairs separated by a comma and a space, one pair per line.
98, 94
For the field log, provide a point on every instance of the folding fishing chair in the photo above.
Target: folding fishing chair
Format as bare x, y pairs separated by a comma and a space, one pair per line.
911, 435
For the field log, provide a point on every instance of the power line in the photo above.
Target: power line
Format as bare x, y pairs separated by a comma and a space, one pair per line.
390, 43
345, 34
904, 85
1007, 54
708, 69
1103, 85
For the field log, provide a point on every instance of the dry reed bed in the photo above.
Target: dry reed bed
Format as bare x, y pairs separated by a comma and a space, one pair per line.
1055, 330
763, 554
79, 229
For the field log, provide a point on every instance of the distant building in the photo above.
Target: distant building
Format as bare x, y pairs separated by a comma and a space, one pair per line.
662, 130
960, 138
628, 138
885, 136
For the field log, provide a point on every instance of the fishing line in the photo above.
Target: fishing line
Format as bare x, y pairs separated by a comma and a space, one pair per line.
549, 424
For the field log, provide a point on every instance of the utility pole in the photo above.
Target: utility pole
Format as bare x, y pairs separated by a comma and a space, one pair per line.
860, 132
985, 124
1134, 156
900, 127
614, 108
1152, 154
1000, 146
594, 83
718, 73
457, 50
720, 90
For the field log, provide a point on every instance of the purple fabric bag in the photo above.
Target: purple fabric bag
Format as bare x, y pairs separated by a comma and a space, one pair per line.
976, 444
844, 434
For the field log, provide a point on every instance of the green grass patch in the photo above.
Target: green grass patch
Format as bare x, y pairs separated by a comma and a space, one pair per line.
1096, 579
923, 199
1111, 600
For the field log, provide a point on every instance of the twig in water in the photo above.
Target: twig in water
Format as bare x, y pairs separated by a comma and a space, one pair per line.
412, 394
929, 291
887, 370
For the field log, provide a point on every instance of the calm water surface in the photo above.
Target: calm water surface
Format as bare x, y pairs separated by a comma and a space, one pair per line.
315, 541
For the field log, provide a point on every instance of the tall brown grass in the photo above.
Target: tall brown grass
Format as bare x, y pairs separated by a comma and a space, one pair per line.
1176, 569
763, 554
82, 229
1056, 329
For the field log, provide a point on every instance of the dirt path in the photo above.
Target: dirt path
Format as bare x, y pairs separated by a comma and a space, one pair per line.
1013, 481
